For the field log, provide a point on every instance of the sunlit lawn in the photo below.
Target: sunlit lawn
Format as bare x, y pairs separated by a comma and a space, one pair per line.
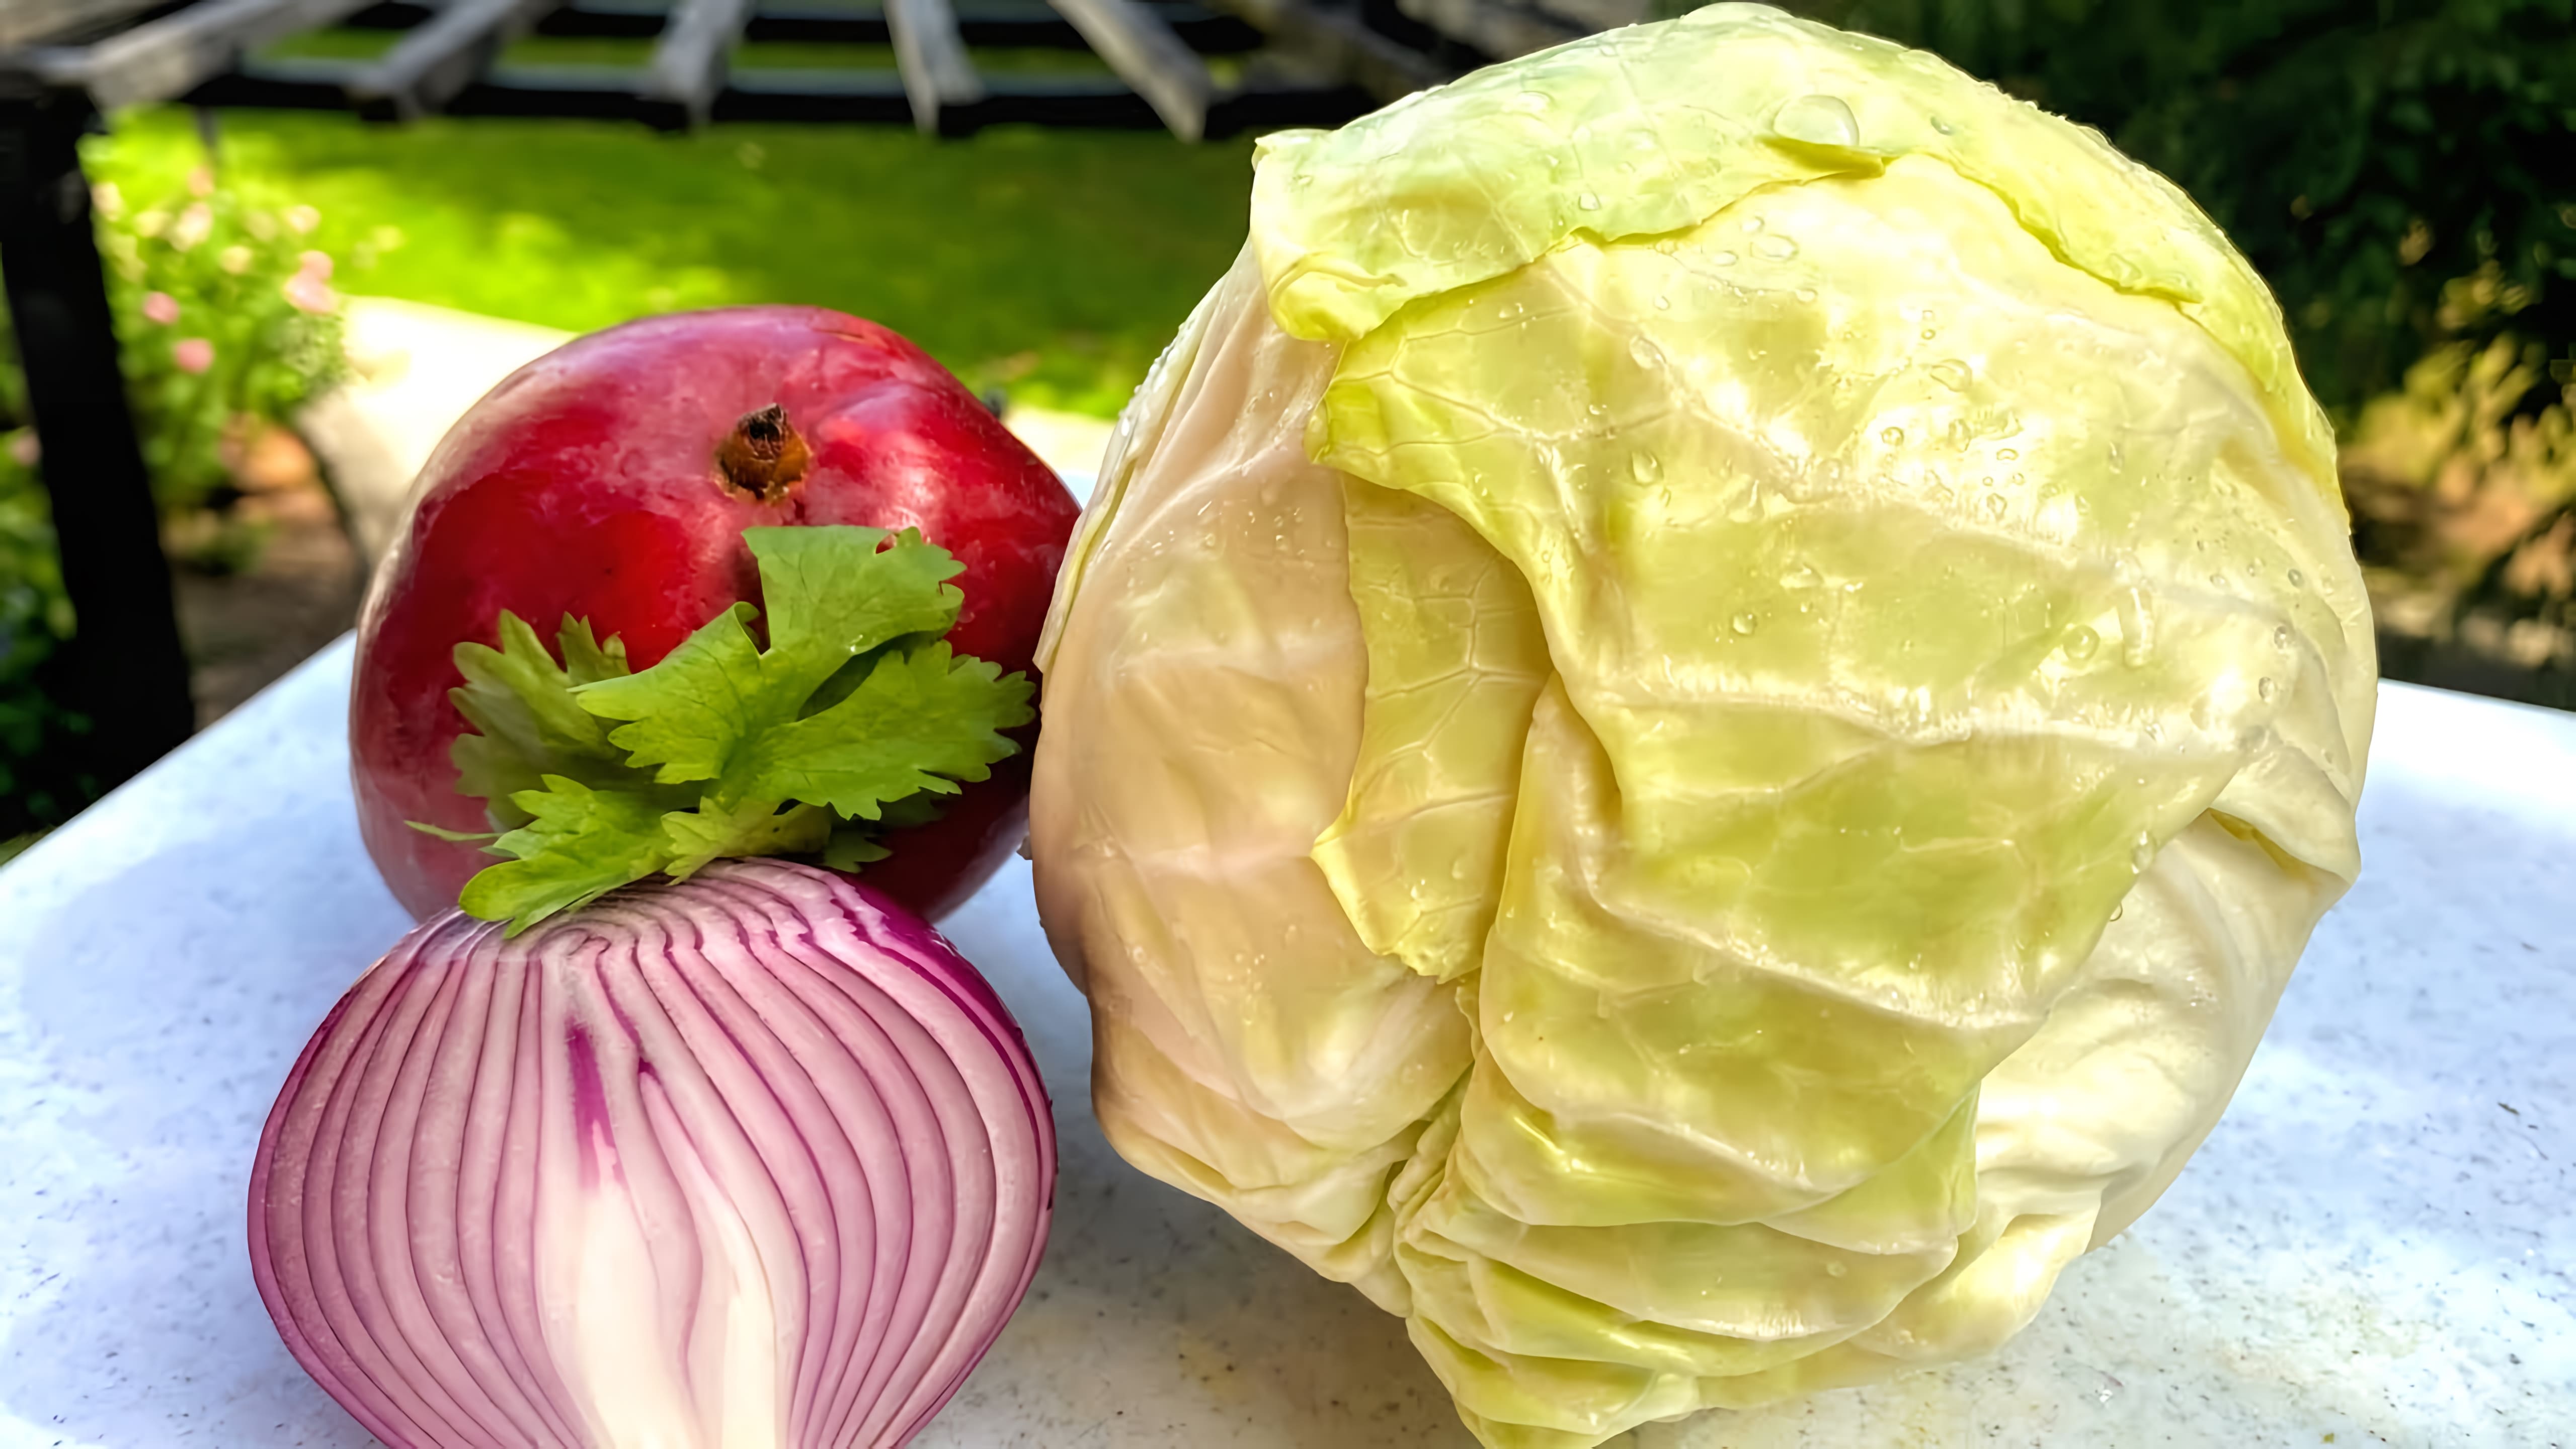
1055, 263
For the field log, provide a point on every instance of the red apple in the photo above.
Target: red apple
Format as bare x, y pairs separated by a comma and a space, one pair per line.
612, 479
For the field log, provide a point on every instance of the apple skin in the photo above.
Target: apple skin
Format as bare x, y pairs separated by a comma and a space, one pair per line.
586, 484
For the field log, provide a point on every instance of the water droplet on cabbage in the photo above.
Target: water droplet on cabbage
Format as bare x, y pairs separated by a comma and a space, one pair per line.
1818, 120
1745, 623
1645, 353
1588, 201
2137, 627
1776, 248
2265, 687
1646, 466
1991, 507
2081, 641
1951, 373
2281, 637
1891, 435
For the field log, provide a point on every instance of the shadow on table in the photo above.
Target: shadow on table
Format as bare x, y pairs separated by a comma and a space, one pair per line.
1156, 1321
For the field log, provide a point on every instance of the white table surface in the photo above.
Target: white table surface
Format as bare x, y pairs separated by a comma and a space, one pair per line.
2374, 1248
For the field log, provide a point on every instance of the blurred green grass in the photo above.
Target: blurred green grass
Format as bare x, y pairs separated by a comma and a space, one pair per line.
1053, 263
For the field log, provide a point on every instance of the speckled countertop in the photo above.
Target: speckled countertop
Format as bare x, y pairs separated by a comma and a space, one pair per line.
2374, 1248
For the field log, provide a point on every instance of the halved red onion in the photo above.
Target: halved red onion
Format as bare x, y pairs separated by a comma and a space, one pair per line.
754, 1159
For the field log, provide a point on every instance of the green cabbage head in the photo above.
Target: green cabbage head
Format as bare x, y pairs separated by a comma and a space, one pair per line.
1699, 716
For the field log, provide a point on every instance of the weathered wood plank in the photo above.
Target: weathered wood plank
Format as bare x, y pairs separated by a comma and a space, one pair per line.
874, 97
690, 63
1337, 43
1142, 49
432, 63
1501, 31
937, 76
25, 22
168, 57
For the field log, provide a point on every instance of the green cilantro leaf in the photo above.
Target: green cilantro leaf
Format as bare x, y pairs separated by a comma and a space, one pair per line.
579, 845
854, 718
691, 709
529, 725
916, 718
851, 848
828, 602
759, 828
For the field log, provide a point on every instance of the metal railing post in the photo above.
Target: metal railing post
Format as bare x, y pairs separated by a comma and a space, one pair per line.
126, 668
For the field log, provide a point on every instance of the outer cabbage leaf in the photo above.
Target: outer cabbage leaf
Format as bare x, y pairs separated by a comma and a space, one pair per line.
1653, 128
1456, 663
1252, 1049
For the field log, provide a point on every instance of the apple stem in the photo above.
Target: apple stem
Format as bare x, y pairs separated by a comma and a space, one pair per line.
763, 454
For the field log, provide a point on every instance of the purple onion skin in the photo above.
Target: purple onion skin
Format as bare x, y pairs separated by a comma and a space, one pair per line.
751, 1159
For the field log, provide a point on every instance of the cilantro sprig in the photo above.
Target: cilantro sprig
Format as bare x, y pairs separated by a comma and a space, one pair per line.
855, 718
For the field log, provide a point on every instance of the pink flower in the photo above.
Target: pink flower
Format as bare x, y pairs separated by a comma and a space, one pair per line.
193, 225
316, 265
23, 449
201, 182
160, 307
193, 354
306, 292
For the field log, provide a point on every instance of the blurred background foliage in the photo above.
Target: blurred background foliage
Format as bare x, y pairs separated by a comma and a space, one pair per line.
229, 323
2402, 171
1055, 263
228, 319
